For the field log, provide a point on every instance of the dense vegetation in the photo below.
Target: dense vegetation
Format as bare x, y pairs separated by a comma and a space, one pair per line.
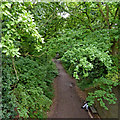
33, 33
27, 80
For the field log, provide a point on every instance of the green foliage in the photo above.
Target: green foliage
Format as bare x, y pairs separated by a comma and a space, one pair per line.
65, 41
30, 89
101, 96
8, 98
86, 56
86, 42
47, 20
33, 92
19, 31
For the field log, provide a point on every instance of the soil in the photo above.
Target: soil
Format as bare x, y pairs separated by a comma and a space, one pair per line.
67, 102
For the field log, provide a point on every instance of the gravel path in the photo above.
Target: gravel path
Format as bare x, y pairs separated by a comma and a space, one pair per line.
67, 103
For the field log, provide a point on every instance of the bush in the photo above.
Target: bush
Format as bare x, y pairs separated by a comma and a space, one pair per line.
32, 93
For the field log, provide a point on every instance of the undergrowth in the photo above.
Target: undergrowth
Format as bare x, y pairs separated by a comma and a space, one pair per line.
86, 56
32, 92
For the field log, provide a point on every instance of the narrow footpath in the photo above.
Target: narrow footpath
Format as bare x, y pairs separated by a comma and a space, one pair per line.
67, 103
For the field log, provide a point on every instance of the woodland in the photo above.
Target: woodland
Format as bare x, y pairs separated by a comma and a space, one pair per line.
84, 34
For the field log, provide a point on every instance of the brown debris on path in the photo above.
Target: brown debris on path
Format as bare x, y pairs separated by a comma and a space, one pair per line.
67, 103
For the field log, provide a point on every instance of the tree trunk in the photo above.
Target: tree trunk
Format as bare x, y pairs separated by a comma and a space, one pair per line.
115, 46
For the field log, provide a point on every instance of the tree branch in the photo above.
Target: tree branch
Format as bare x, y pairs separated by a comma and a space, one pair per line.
105, 18
89, 20
116, 12
14, 68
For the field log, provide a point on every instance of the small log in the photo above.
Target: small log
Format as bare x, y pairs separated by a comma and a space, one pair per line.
93, 110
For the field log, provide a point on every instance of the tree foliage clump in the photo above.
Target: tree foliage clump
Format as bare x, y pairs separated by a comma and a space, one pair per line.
19, 30
32, 92
92, 65
27, 80
87, 43
88, 47
87, 56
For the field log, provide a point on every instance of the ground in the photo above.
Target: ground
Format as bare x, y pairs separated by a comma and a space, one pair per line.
68, 99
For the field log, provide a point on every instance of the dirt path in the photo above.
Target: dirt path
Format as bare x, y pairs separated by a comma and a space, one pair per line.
67, 103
